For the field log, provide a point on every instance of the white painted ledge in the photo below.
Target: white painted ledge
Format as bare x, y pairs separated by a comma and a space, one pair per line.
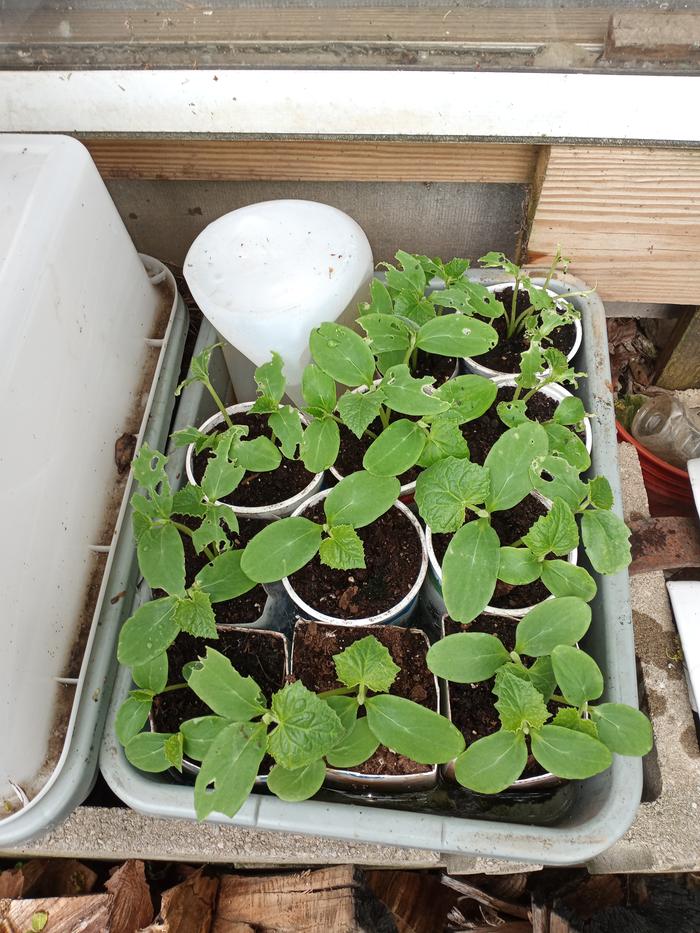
355, 103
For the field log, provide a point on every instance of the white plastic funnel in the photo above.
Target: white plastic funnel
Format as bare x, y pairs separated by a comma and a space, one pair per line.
266, 274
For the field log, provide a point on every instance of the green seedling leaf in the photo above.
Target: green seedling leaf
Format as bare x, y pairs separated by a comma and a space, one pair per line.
221, 687
467, 657
210, 530
470, 570
397, 449
482, 301
359, 499
342, 354
380, 300
307, 727
541, 676
149, 632
410, 278
199, 733
153, 675
148, 467
229, 768
161, 558
468, 396
555, 478
140, 520
447, 488
560, 621
188, 501
570, 411
606, 539
518, 566
568, 753
514, 413
345, 708
146, 751
569, 718
359, 409
623, 729
553, 533
492, 764
221, 476
318, 389
39, 920
387, 333
298, 783
270, 381
456, 335
454, 297
600, 493
531, 365
444, 440
258, 456
564, 579
566, 444
199, 368
410, 396
131, 718
496, 260
366, 663
454, 270
509, 463
412, 730
414, 308
190, 435
356, 746
320, 444
195, 615
342, 549
577, 674
558, 368
520, 706
280, 549
223, 578
172, 749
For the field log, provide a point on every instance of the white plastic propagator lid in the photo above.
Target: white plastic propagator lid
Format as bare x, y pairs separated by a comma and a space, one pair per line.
77, 309
266, 274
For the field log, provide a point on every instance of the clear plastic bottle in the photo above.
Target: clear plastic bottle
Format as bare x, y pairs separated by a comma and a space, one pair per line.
669, 429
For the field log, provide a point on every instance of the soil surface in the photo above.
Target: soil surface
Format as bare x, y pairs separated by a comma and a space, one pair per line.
312, 663
505, 356
482, 433
353, 449
393, 557
253, 653
245, 608
472, 705
441, 368
510, 526
259, 489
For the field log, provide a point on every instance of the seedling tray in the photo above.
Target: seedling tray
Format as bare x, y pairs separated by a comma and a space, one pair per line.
589, 817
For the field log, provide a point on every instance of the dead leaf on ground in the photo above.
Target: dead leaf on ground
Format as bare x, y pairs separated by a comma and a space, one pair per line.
130, 906
188, 907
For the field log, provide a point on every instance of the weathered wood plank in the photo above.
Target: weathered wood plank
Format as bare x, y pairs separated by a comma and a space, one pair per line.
313, 160
678, 366
630, 218
652, 35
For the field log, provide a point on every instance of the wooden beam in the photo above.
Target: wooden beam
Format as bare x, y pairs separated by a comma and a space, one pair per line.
653, 35
314, 160
678, 366
629, 218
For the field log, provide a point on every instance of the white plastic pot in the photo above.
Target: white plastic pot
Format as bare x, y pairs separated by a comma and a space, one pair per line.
558, 393
436, 574
264, 512
479, 369
398, 614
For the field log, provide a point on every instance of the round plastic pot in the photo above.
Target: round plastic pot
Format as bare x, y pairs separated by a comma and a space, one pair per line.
346, 779
558, 393
536, 782
398, 614
667, 486
435, 574
264, 512
479, 369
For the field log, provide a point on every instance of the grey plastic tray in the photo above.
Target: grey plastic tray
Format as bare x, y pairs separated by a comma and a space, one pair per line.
603, 807
72, 782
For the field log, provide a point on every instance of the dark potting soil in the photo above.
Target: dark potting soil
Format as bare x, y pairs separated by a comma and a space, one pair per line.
510, 526
258, 489
392, 556
245, 608
441, 368
353, 450
472, 705
253, 653
482, 433
312, 664
505, 356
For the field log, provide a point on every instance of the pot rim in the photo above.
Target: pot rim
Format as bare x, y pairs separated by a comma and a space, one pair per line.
436, 569
480, 370
189, 766
558, 392
535, 782
347, 778
249, 511
382, 617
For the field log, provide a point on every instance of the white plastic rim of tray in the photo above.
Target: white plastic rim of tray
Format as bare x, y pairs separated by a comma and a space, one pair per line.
78, 310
